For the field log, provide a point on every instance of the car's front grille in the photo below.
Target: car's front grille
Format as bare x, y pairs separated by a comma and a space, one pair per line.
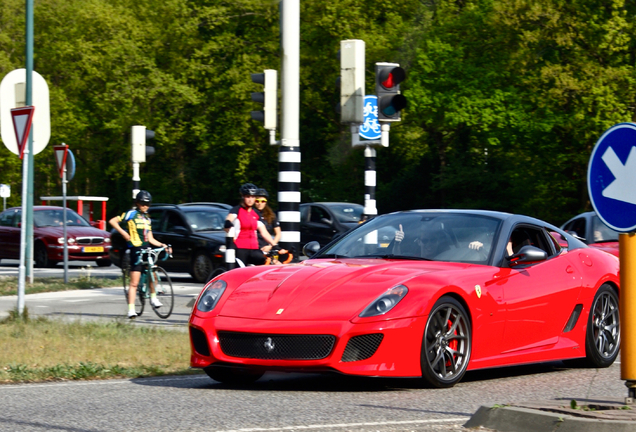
362, 347
90, 240
276, 346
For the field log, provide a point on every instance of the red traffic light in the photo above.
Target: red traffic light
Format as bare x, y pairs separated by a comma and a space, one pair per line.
390, 78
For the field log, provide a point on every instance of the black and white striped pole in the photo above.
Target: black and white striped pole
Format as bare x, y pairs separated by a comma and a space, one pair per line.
230, 252
370, 209
289, 153
289, 197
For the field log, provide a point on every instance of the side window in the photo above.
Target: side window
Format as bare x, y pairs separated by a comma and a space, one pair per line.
174, 220
317, 214
155, 219
304, 213
6, 218
525, 235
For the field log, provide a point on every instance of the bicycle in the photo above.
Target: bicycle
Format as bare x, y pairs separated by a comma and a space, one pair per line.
158, 277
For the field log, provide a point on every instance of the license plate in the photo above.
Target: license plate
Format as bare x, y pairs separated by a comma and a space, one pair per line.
93, 249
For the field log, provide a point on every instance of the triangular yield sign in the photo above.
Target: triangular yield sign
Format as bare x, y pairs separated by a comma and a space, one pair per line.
22, 118
60, 157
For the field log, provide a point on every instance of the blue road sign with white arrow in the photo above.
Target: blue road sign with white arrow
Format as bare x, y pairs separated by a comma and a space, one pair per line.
611, 177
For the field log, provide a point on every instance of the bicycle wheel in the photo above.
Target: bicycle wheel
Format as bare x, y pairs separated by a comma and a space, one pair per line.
165, 295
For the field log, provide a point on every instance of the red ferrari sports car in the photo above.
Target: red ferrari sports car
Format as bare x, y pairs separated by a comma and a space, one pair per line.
427, 294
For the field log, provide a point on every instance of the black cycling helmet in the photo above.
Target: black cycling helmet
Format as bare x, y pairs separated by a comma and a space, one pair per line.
248, 189
262, 192
143, 197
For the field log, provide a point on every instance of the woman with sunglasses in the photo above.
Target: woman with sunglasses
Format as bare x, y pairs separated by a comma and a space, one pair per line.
246, 221
269, 219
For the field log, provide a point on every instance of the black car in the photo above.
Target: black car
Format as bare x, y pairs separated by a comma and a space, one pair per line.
195, 231
323, 221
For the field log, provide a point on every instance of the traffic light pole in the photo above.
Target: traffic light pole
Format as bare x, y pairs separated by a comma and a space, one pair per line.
369, 182
136, 179
289, 152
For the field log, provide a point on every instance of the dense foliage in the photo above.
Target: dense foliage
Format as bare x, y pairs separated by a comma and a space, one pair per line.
506, 98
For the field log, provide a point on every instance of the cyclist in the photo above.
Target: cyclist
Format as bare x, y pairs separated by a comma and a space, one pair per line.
138, 236
246, 221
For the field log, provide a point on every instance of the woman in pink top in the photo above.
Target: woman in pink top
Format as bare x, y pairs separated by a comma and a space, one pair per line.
246, 220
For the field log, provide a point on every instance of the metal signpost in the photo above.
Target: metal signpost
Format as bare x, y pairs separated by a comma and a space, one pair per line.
22, 118
610, 180
61, 152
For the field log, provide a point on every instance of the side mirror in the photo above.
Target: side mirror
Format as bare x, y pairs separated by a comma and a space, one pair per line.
576, 236
311, 249
527, 254
326, 221
181, 230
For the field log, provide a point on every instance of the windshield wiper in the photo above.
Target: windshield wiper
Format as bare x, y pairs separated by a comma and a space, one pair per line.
335, 256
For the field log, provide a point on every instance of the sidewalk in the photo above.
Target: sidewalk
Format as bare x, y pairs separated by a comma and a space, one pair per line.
589, 415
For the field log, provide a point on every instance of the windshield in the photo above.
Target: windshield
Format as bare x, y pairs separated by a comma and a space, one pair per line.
206, 219
602, 233
54, 217
347, 212
433, 236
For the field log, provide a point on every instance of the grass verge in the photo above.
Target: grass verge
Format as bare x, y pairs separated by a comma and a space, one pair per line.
9, 285
41, 349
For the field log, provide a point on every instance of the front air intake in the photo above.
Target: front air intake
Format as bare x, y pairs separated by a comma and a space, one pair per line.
362, 347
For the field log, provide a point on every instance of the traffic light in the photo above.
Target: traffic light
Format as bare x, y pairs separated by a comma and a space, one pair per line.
268, 98
138, 137
388, 77
351, 81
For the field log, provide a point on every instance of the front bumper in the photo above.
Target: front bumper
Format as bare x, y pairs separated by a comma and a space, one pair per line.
397, 355
77, 253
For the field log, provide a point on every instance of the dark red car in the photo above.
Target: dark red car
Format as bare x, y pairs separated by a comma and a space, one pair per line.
85, 243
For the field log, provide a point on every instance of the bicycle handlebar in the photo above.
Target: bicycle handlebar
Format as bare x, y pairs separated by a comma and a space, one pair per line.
154, 252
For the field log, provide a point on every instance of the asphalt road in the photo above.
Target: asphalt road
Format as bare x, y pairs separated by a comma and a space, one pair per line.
98, 303
278, 401
288, 402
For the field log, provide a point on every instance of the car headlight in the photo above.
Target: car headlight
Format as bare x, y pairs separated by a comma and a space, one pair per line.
211, 296
60, 240
385, 302
106, 240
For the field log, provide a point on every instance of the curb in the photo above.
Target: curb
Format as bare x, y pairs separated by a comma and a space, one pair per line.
518, 419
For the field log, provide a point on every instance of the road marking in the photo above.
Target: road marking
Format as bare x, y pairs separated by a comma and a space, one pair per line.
346, 425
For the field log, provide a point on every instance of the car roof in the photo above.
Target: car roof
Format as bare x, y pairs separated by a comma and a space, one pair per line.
194, 205
41, 207
328, 203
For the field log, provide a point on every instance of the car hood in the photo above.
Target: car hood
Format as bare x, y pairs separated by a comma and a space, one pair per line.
320, 289
74, 231
217, 236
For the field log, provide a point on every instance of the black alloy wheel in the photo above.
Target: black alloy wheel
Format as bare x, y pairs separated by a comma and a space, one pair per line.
603, 337
40, 255
201, 267
446, 345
